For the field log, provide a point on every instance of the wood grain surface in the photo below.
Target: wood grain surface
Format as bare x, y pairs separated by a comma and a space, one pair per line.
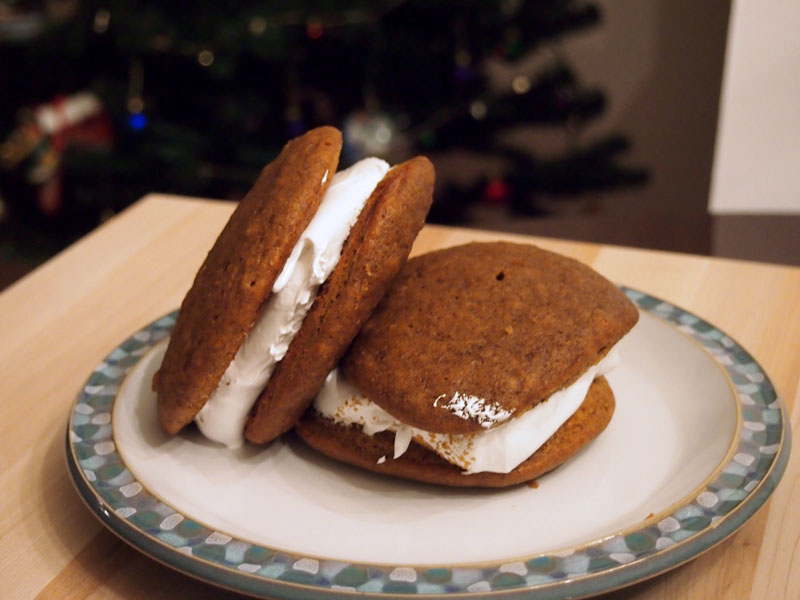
57, 323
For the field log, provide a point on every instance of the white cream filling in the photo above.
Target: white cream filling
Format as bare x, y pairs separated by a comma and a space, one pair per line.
312, 260
498, 450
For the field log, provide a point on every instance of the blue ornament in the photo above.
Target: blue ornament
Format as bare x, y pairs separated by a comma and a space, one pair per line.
137, 121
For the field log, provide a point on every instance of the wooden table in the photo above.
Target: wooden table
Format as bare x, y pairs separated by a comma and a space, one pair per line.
60, 321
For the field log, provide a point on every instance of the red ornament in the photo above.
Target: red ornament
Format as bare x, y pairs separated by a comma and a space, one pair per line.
314, 30
496, 191
67, 123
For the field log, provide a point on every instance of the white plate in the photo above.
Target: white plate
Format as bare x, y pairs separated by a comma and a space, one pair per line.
696, 425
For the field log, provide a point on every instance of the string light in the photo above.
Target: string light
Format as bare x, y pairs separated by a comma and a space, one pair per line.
477, 109
294, 119
135, 104
521, 84
160, 42
428, 138
314, 29
496, 191
258, 25
205, 57
369, 133
463, 58
383, 134
101, 20
293, 113
137, 121
510, 7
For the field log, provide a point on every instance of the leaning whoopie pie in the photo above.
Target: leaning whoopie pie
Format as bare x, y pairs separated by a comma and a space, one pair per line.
303, 260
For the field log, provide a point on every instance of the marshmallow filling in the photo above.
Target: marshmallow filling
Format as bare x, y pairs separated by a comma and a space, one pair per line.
313, 258
499, 449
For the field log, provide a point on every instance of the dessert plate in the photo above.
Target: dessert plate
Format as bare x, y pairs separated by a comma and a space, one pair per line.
698, 442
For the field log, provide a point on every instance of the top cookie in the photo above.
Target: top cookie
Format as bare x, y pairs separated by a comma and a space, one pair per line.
507, 323
374, 252
239, 271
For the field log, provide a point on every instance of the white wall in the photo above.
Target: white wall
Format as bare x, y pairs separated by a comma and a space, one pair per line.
757, 159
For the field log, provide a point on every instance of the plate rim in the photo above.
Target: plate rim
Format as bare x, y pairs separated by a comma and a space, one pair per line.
500, 578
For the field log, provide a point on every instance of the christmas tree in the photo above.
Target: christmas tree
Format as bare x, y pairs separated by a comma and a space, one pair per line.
103, 102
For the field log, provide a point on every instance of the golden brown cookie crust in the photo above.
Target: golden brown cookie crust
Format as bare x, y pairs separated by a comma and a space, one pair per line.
239, 271
350, 445
372, 255
506, 323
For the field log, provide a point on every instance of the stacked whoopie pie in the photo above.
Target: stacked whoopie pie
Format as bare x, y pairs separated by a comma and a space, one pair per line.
477, 365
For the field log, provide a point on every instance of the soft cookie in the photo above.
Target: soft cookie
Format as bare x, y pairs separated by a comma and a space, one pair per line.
298, 260
488, 357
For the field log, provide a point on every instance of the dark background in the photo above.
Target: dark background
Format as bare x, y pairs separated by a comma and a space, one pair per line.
583, 120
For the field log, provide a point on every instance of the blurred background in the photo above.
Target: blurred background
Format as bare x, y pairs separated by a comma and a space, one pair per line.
566, 118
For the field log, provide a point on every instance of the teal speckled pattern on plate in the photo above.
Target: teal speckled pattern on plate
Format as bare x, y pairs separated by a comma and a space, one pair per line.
728, 500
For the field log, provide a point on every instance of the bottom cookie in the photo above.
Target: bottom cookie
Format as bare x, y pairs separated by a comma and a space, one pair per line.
350, 445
